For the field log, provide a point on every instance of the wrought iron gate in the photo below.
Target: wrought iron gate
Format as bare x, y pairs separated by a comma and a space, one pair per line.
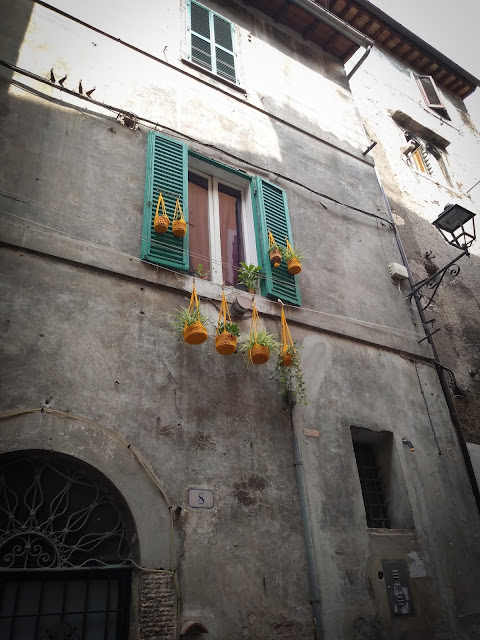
70, 604
65, 571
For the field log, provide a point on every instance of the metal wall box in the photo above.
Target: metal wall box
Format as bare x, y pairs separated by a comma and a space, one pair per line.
395, 573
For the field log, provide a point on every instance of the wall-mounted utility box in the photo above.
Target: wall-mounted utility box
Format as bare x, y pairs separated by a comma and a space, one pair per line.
397, 271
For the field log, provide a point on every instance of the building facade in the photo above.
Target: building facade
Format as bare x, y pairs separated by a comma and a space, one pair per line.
150, 488
427, 154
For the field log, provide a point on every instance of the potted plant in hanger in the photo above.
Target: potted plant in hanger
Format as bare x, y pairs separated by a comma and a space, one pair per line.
190, 322
260, 343
226, 338
259, 347
248, 275
227, 331
274, 251
292, 257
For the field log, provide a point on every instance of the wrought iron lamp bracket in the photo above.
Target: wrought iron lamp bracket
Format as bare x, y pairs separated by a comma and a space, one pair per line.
434, 281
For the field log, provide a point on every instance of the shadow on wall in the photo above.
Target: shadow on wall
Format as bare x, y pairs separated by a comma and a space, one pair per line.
15, 23
455, 309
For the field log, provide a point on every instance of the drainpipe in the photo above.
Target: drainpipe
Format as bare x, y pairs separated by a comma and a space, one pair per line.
315, 600
438, 366
362, 59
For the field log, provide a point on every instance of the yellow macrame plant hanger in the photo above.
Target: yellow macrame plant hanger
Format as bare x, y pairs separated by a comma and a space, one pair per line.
258, 354
179, 226
161, 222
287, 349
225, 342
293, 265
194, 333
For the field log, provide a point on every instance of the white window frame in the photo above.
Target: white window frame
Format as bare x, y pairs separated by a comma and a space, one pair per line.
215, 176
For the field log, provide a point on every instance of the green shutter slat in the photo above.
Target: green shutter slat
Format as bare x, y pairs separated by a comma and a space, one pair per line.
167, 170
272, 214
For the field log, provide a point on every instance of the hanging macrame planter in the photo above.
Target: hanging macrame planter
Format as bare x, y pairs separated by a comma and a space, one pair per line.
274, 252
179, 226
293, 264
287, 350
258, 353
194, 333
225, 342
161, 222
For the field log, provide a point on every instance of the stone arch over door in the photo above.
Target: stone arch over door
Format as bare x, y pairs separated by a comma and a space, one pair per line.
145, 511
112, 458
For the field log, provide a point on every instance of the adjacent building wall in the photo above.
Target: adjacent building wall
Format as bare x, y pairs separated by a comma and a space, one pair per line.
390, 102
87, 333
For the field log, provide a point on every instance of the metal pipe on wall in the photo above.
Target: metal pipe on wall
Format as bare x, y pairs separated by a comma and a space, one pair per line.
315, 599
438, 366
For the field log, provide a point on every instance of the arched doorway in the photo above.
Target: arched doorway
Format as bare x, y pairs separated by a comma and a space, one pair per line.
66, 539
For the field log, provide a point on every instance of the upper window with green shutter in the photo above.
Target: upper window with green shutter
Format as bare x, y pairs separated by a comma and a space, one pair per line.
211, 41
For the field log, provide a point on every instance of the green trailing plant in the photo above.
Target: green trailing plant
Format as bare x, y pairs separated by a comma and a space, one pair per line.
263, 338
201, 272
248, 275
291, 377
185, 316
289, 253
229, 327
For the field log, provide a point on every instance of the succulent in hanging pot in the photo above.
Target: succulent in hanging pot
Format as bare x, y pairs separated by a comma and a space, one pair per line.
248, 275
292, 258
179, 226
258, 347
191, 324
226, 338
161, 221
274, 251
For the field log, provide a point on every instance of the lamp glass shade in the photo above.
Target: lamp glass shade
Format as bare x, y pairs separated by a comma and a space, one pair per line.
453, 217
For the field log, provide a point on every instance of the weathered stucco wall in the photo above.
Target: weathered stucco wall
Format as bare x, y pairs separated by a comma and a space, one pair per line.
87, 329
383, 86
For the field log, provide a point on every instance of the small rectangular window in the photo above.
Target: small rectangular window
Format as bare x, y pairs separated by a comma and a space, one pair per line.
431, 95
372, 491
382, 483
211, 41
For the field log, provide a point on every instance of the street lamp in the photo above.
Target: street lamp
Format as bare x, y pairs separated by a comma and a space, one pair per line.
457, 226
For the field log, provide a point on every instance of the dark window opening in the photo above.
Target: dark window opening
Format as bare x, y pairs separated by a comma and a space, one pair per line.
372, 491
382, 480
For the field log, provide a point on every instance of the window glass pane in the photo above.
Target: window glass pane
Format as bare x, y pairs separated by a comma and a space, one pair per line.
198, 222
231, 237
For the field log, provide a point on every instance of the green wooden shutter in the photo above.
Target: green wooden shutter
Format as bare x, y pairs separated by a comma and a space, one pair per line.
224, 56
167, 171
272, 214
211, 41
200, 32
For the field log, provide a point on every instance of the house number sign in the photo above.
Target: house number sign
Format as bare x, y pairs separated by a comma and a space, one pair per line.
200, 498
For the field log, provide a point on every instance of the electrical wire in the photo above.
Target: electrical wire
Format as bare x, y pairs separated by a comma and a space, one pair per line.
156, 125
130, 257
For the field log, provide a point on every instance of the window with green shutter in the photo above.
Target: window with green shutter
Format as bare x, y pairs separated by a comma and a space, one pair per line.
229, 214
167, 172
211, 41
272, 215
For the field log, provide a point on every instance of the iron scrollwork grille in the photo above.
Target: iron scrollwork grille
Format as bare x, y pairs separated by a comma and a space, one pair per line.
52, 514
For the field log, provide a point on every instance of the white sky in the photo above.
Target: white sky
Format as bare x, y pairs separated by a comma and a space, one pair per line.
450, 27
